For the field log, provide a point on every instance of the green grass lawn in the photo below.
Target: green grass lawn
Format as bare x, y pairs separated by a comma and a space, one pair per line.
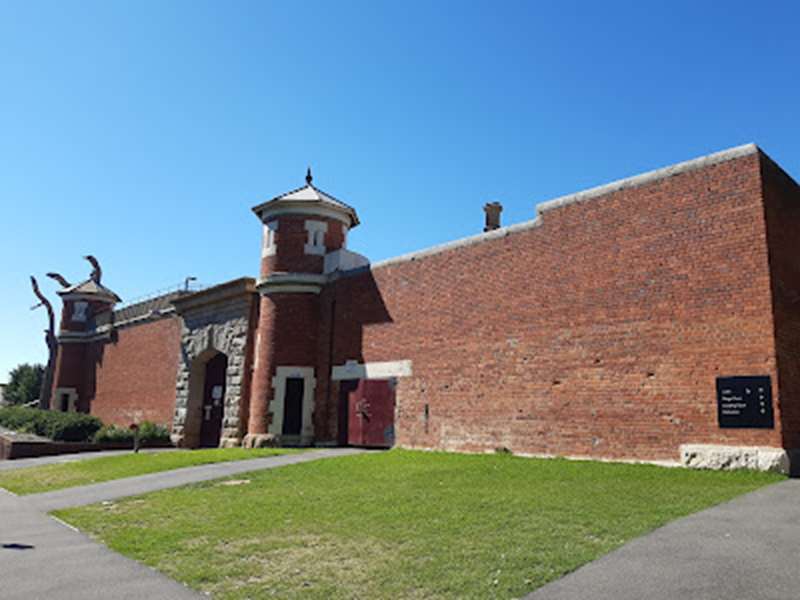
33, 480
402, 524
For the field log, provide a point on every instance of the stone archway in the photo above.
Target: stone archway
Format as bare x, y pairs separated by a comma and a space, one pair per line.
214, 321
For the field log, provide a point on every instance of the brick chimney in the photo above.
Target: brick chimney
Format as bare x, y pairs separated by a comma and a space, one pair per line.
492, 210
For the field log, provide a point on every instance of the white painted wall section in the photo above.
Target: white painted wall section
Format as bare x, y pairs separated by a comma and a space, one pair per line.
374, 370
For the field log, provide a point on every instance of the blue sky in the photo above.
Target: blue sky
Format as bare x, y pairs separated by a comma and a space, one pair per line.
143, 132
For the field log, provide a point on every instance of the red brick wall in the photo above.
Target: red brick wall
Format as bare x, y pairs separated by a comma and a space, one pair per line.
263, 367
598, 333
326, 393
70, 372
287, 336
782, 199
135, 373
291, 238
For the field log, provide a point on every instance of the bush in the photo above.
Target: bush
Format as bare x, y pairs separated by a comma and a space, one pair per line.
149, 433
59, 426
112, 433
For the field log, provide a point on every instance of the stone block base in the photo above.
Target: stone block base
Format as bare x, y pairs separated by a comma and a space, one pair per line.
296, 441
260, 440
712, 456
326, 444
230, 442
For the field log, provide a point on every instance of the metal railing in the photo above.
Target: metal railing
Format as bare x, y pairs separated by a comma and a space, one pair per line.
185, 286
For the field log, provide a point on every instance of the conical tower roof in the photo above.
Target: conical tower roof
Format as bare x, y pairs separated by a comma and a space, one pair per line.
90, 288
308, 199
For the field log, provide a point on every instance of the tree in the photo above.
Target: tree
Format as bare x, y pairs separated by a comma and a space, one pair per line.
25, 382
50, 334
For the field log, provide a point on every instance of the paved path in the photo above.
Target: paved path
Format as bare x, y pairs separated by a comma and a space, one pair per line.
131, 486
21, 463
43, 558
748, 548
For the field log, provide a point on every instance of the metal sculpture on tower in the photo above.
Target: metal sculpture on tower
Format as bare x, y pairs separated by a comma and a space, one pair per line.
60, 279
97, 272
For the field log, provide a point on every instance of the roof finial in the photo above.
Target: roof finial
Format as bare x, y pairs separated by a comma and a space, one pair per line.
309, 178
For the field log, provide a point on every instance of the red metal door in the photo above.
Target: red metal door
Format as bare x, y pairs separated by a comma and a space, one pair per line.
371, 414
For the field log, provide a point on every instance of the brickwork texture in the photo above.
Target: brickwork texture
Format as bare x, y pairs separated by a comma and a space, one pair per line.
597, 330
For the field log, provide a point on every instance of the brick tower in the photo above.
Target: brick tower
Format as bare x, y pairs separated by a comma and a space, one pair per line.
86, 308
302, 229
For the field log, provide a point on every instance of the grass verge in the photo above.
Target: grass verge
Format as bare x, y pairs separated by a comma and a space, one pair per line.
33, 480
402, 524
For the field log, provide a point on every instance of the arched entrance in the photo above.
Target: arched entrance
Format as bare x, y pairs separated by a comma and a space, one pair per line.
205, 412
213, 401
216, 320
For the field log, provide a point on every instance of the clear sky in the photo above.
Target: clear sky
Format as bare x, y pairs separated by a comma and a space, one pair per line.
143, 132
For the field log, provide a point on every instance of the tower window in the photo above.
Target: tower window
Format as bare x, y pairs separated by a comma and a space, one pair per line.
316, 237
79, 313
269, 247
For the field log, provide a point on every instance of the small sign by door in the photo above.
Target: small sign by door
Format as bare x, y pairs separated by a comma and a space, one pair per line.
213, 393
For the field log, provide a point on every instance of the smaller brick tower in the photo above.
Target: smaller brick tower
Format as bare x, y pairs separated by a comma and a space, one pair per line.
303, 229
84, 304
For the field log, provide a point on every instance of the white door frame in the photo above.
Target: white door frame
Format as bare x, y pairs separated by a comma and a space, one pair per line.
72, 398
278, 400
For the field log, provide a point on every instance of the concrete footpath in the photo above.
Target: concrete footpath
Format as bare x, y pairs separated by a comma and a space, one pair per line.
43, 558
746, 549
23, 463
131, 486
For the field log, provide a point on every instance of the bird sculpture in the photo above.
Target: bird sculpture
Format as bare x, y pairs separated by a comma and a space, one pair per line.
97, 272
60, 279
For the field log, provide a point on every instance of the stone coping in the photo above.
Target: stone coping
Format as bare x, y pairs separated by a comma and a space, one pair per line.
577, 197
222, 292
20, 436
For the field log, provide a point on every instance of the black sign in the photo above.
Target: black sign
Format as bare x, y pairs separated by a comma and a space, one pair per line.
745, 402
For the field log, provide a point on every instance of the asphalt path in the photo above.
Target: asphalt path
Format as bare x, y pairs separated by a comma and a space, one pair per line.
22, 463
745, 549
44, 558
